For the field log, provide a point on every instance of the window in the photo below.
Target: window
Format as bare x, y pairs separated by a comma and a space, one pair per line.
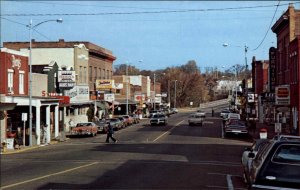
99, 77
90, 74
287, 154
80, 74
95, 72
103, 74
10, 81
21, 82
84, 74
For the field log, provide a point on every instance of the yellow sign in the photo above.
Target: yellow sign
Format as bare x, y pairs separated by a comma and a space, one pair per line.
105, 84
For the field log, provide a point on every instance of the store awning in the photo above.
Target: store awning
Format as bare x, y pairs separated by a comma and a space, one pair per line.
7, 106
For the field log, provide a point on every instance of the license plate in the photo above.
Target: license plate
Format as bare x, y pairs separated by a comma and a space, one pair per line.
236, 131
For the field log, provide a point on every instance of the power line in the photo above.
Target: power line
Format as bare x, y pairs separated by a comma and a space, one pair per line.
145, 12
268, 28
13, 21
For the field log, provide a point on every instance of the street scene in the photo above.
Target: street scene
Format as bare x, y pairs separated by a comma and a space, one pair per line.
175, 156
150, 95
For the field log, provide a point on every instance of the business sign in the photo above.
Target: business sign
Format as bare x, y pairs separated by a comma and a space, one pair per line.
78, 94
66, 77
66, 85
105, 84
140, 97
272, 69
109, 97
282, 95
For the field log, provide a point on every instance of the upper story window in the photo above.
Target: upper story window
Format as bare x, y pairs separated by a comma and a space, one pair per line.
21, 82
90, 74
80, 74
10, 81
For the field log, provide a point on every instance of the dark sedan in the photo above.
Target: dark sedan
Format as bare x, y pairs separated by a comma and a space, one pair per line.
276, 165
235, 126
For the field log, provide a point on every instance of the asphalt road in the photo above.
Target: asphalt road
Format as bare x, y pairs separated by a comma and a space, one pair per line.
176, 156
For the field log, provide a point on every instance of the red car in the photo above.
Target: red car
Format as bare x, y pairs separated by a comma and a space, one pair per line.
87, 128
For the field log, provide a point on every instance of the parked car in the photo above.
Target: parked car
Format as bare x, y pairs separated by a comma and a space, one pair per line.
276, 165
196, 119
233, 116
128, 119
136, 118
256, 146
159, 119
224, 113
235, 126
115, 123
201, 113
123, 122
101, 126
87, 128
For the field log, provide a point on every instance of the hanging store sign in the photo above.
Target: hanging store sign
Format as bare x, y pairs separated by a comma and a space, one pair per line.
282, 95
109, 97
139, 98
272, 69
105, 84
66, 77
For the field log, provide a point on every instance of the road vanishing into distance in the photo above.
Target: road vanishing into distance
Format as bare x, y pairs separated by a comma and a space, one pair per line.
176, 156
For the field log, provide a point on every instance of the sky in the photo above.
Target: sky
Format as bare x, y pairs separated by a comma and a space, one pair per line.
152, 35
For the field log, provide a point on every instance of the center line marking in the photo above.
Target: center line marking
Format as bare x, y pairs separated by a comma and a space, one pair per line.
167, 131
49, 175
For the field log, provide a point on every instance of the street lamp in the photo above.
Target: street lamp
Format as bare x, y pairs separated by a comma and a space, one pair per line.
246, 64
32, 27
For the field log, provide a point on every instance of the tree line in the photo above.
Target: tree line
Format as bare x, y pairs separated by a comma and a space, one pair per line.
192, 84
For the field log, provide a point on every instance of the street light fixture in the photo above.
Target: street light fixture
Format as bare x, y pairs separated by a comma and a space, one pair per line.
32, 27
246, 64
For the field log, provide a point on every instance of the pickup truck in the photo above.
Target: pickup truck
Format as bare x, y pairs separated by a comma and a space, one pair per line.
196, 119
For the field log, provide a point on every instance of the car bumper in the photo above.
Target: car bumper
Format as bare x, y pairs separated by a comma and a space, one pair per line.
234, 131
157, 122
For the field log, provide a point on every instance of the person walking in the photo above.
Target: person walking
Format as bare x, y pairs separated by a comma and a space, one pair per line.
110, 132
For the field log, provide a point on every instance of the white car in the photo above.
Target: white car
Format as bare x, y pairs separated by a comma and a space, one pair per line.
201, 113
224, 113
195, 119
233, 116
159, 119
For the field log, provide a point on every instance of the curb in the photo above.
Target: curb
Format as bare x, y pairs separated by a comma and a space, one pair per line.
15, 151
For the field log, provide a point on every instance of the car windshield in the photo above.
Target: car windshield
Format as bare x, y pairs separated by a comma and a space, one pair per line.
158, 116
288, 154
83, 124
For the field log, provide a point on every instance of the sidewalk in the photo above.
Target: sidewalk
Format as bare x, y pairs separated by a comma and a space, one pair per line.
25, 148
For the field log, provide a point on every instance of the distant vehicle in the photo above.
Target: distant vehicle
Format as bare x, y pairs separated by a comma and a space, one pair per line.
233, 116
235, 126
123, 121
174, 110
224, 113
276, 165
101, 125
88, 128
196, 119
201, 113
128, 119
153, 112
115, 123
136, 118
159, 119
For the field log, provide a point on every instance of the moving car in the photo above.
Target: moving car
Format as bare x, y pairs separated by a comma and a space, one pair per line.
159, 119
276, 165
196, 119
201, 113
174, 110
87, 128
235, 126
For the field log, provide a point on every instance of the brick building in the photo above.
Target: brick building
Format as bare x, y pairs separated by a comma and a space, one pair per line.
287, 29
